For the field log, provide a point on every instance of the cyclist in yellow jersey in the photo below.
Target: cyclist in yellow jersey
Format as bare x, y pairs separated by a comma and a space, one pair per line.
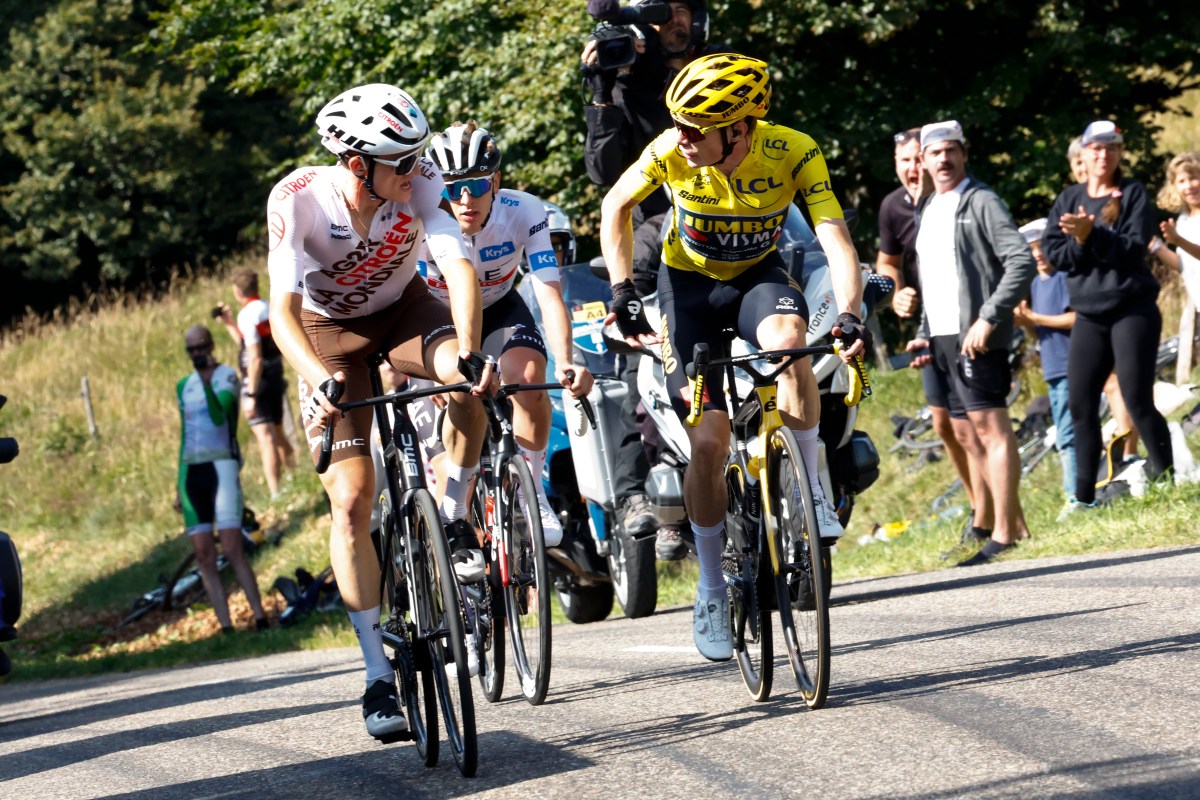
732, 178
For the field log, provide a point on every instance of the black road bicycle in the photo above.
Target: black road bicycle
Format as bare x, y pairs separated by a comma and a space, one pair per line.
774, 558
422, 618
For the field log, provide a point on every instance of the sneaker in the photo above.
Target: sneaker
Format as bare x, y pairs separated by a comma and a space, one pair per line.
465, 555
637, 516
972, 539
827, 519
990, 550
669, 544
1074, 506
381, 710
710, 628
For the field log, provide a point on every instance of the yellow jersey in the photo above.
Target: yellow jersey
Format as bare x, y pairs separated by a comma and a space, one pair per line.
725, 225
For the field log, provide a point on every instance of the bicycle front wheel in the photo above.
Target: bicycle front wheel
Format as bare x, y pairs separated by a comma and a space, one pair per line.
748, 573
527, 595
801, 581
487, 615
442, 626
414, 672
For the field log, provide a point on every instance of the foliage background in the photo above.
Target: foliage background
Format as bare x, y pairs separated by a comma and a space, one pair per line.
141, 135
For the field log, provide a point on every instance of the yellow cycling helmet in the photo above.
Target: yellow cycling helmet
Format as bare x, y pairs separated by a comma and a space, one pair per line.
720, 89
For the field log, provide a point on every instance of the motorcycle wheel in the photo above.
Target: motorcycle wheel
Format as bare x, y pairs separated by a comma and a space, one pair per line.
584, 604
632, 565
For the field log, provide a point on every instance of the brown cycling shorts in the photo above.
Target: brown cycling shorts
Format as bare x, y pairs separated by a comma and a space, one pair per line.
406, 331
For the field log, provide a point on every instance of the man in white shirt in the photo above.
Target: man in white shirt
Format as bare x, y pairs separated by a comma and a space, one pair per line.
974, 269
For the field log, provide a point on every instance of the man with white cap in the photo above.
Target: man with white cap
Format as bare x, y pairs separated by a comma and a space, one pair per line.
1048, 315
974, 268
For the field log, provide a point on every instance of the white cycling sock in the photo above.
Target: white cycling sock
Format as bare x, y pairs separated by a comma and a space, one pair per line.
537, 460
708, 550
370, 640
458, 482
810, 451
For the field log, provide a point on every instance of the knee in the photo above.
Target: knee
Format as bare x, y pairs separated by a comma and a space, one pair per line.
206, 553
349, 505
708, 450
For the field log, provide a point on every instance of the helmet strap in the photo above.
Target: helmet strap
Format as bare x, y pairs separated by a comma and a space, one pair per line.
727, 144
368, 180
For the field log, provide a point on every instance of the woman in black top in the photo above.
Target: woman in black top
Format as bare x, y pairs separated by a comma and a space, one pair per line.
1097, 233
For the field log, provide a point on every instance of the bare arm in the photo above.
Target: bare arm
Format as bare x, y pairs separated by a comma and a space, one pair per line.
254, 367
616, 227
466, 302
292, 341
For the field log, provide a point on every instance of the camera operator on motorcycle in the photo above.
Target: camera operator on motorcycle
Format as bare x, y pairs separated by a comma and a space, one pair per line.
732, 177
498, 226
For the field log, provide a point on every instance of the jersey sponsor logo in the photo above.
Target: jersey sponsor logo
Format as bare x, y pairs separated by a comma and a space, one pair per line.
342, 444
543, 260
703, 199
785, 304
496, 251
820, 187
508, 201
366, 269
809, 156
495, 277
291, 187
728, 238
775, 148
540, 226
757, 185
276, 228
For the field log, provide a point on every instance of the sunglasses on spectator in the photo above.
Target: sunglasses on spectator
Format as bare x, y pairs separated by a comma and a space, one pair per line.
692, 134
904, 137
476, 187
402, 164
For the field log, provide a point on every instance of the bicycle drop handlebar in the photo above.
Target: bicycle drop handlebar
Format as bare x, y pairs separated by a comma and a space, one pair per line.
333, 390
696, 371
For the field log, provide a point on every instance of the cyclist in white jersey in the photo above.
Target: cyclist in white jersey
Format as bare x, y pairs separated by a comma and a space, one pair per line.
498, 226
342, 260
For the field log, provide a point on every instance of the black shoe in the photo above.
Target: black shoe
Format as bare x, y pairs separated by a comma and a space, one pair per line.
972, 539
262, 624
381, 710
466, 557
991, 548
637, 516
669, 544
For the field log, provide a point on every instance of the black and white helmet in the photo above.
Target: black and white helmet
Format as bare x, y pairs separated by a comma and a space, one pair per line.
376, 120
464, 150
559, 226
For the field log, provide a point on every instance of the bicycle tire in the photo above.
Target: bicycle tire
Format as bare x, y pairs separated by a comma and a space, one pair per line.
438, 592
488, 619
527, 595
414, 672
801, 582
749, 615
179, 594
918, 432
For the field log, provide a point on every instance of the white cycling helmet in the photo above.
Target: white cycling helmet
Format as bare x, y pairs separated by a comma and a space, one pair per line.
464, 150
376, 120
559, 223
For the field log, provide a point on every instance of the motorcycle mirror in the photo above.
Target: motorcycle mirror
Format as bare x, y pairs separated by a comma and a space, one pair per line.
599, 269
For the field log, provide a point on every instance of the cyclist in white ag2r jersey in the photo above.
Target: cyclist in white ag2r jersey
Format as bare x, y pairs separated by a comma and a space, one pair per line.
498, 225
344, 284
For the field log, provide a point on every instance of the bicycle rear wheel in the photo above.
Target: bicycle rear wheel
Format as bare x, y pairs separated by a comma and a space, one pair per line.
414, 671
487, 618
443, 613
527, 595
749, 611
801, 583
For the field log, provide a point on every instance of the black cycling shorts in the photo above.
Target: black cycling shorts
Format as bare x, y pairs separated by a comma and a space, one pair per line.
963, 384
696, 308
508, 323
268, 400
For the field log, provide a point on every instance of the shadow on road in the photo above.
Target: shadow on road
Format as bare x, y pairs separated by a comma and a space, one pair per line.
964, 579
71, 715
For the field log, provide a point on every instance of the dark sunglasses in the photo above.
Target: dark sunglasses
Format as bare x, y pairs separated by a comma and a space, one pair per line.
476, 187
690, 135
403, 164
904, 137
198, 348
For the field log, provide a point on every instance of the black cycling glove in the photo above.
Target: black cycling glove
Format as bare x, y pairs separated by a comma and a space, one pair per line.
853, 329
631, 316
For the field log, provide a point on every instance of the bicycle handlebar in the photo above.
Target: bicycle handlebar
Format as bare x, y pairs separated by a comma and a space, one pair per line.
696, 371
332, 390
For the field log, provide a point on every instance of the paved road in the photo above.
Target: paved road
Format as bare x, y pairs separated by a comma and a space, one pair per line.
1064, 678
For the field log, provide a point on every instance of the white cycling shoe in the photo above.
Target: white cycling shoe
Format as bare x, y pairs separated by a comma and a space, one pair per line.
827, 519
710, 628
552, 532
